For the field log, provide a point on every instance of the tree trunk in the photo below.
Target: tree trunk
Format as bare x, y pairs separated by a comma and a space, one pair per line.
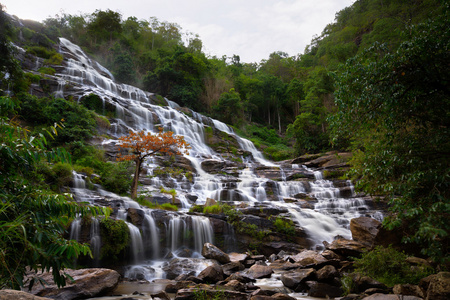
279, 121
134, 185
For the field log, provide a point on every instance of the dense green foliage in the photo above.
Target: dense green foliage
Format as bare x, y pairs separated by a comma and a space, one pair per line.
390, 267
115, 239
393, 106
33, 219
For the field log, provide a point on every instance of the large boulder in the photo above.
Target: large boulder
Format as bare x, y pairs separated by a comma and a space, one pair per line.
309, 257
212, 274
323, 290
213, 165
212, 252
260, 271
87, 283
437, 286
362, 283
178, 266
296, 279
408, 289
19, 295
327, 273
346, 247
365, 230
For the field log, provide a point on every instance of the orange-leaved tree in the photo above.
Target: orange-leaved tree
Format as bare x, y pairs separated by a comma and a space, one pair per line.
142, 144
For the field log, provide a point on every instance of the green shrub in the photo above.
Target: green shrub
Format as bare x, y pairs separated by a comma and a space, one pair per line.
54, 176
169, 206
213, 209
279, 152
115, 238
55, 59
197, 208
116, 177
285, 226
389, 266
32, 78
47, 70
63, 174
40, 51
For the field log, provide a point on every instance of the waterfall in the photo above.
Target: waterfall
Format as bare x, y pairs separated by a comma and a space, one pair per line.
203, 232
177, 232
95, 240
137, 245
181, 234
151, 235
75, 229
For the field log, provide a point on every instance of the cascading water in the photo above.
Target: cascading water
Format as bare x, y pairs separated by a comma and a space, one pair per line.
185, 234
95, 240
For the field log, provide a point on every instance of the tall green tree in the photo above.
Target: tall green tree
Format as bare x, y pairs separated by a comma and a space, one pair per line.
394, 106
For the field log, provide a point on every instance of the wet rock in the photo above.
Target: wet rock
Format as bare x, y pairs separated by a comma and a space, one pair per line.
282, 265
408, 289
328, 254
329, 161
260, 271
304, 158
264, 212
187, 277
241, 277
437, 286
240, 257
213, 165
309, 257
296, 279
178, 285
327, 273
323, 290
135, 216
87, 283
258, 221
365, 230
19, 295
161, 295
212, 274
178, 266
272, 173
281, 296
300, 174
235, 285
212, 252
418, 262
232, 267
363, 283
346, 247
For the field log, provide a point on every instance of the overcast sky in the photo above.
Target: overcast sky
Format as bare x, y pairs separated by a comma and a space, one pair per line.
251, 29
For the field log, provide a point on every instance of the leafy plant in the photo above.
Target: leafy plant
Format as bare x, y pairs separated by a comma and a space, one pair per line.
389, 266
115, 238
393, 107
285, 226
